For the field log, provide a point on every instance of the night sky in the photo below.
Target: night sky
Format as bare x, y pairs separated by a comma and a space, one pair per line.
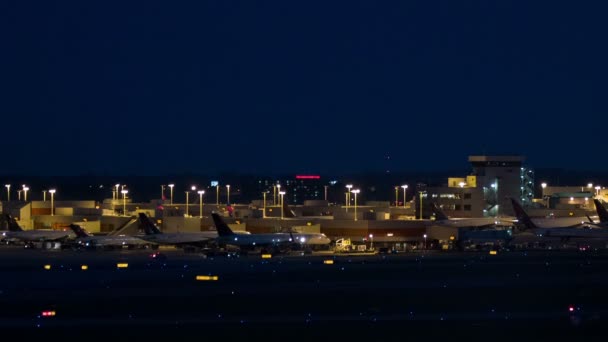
156, 87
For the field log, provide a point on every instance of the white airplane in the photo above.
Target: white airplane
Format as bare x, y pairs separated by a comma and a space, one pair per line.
474, 222
191, 240
84, 239
583, 230
276, 242
35, 235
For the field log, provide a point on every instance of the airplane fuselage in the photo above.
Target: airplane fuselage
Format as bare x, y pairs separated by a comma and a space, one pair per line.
111, 240
37, 235
180, 238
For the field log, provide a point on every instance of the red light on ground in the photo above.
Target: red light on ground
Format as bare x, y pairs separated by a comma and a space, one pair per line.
308, 177
571, 309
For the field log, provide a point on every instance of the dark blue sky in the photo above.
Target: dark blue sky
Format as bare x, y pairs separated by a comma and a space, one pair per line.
154, 87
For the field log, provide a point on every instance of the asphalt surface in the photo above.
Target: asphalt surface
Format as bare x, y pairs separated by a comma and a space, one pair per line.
524, 294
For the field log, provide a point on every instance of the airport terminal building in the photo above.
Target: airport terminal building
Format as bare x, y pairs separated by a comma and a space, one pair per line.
485, 192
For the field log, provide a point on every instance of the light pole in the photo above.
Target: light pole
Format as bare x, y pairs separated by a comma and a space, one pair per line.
171, 192
355, 191
124, 201
187, 200
52, 192
371, 239
8, 192
404, 193
424, 241
281, 193
162, 192
187, 192
274, 195
264, 212
325, 186
420, 192
228, 194
396, 196
217, 195
44, 195
346, 200
19, 194
115, 199
543, 186
201, 193
25, 190
597, 190
348, 186
461, 184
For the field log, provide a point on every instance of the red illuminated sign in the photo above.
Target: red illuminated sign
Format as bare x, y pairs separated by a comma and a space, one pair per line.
307, 177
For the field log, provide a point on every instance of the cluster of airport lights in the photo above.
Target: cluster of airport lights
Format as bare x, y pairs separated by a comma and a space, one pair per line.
25, 189
543, 185
404, 187
199, 192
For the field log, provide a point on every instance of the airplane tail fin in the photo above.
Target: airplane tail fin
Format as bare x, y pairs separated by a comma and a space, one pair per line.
287, 212
149, 226
439, 214
221, 226
521, 215
13, 226
79, 231
601, 211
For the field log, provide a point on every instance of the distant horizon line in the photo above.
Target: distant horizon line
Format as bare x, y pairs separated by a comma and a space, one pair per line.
455, 171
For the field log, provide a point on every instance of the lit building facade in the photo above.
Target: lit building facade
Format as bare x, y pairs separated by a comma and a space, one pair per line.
486, 191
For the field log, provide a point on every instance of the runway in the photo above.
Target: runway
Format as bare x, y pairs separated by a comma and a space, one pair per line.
562, 293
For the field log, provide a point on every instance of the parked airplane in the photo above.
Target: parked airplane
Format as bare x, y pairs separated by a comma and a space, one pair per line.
288, 213
276, 242
188, 240
584, 230
475, 222
602, 213
29, 237
84, 239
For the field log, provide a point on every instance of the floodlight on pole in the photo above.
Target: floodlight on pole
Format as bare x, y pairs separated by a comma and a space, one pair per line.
171, 192
355, 191
124, 201
281, 193
52, 192
404, 193
348, 186
396, 196
264, 212
201, 193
